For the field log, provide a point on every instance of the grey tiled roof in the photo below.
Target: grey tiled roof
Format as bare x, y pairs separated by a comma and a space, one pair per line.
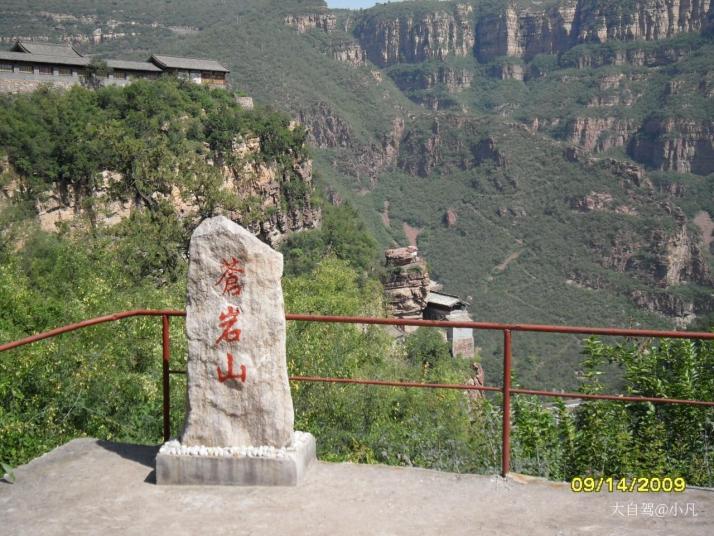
41, 58
133, 65
192, 64
47, 49
445, 300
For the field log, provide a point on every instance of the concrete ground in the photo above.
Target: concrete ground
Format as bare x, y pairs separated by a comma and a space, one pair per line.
97, 487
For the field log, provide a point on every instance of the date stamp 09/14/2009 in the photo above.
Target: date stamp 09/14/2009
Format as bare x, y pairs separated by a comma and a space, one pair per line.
641, 484
638, 485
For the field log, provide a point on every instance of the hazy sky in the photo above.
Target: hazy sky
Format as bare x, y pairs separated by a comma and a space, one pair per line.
354, 4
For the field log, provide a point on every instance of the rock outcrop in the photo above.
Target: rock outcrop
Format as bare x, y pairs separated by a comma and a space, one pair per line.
406, 283
450, 217
524, 34
633, 56
350, 53
452, 79
421, 155
64, 205
509, 30
681, 311
664, 258
374, 158
412, 38
597, 134
325, 128
272, 215
304, 23
684, 146
485, 150
677, 258
592, 202
642, 19
508, 71
270, 184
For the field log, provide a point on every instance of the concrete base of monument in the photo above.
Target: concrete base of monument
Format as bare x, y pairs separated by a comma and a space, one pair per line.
235, 466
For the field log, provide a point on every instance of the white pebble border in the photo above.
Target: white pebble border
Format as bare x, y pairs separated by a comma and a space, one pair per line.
175, 448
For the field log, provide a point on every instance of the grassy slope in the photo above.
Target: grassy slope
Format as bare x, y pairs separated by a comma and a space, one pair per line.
276, 65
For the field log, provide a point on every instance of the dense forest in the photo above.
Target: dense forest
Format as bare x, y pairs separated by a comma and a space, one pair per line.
104, 381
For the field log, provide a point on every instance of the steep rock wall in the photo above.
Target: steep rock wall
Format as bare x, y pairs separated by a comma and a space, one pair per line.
304, 23
597, 134
684, 146
410, 39
245, 177
512, 31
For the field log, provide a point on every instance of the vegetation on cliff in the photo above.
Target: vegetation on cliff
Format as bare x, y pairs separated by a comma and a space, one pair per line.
158, 136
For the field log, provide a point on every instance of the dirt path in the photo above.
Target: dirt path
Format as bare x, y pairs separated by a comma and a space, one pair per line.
385, 214
508, 260
706, 226
412, 233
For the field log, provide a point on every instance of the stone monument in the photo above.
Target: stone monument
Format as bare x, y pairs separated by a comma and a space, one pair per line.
239, 422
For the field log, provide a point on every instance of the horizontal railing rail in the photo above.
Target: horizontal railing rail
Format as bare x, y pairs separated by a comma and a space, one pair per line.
505, 389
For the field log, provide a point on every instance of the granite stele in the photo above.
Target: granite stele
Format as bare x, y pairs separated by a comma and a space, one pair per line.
239, 422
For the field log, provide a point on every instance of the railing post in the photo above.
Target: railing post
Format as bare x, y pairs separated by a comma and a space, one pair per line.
165, 379
506, 444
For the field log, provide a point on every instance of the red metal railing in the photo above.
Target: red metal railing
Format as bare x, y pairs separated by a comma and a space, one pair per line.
506, 389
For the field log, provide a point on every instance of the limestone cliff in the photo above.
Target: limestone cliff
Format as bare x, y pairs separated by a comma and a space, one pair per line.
260, 188
677, 258
526, 32
304, 23
683, 312
597, 134
411, 38
452, 79
665, 257
349, 52
509, 30
269, 184
642, 19
681, 145
325, 128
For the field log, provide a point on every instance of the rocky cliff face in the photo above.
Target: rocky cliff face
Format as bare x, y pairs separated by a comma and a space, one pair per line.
270, 217
450, 78
524, 34
633, 56
410, 39
597, 134
325, 128
350, 53
268, 183
420, 155
684, 146
677, 258
681, 311
304, 23
516, 32
643, 19
665, 258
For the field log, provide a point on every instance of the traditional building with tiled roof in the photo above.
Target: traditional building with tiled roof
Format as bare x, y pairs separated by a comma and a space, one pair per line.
27, 65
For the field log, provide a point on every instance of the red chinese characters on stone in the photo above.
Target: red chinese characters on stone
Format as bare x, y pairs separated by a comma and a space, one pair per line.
230, 374
230, 281
230, 278
228, 319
